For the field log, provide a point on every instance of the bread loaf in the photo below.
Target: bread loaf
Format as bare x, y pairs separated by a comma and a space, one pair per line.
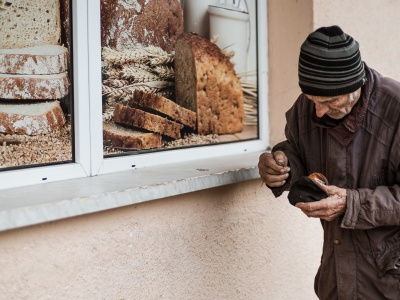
140, 119
117, 136
164, 106
38, 60
34, 87
27, 23
32, 118
206, 82
131, 24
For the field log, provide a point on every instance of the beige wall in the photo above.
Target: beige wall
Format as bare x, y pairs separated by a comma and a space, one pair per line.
233, 242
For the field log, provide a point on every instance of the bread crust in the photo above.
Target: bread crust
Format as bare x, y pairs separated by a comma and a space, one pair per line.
206, 82
129, 24
34, 87
38, 60
29, 124
140, 119
117, 137
163, 106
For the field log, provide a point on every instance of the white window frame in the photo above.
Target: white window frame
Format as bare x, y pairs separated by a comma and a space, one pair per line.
88, 141
81, 167
101, 165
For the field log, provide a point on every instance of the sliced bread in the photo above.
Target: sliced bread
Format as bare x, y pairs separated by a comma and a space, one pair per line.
38, 60
140, 119
117, 136
32, 118
26, 23
164, 106
206, 82
34, 87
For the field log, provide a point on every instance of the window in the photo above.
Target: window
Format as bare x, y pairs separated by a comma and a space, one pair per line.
145, 78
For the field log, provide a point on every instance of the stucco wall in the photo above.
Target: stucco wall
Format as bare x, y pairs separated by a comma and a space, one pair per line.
233, 242
374, 24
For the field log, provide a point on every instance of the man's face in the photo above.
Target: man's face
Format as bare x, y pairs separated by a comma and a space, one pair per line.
335, 107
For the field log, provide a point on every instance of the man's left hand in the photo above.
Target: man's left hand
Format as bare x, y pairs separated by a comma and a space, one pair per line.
329, 208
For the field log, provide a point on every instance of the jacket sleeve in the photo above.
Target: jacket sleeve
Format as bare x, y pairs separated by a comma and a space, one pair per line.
290, 148
370, 208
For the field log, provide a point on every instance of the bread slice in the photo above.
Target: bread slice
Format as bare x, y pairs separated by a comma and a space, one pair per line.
140, 119
34, 87
38, 60
206, 82
117, 136
163, 106
32, 118
26, 23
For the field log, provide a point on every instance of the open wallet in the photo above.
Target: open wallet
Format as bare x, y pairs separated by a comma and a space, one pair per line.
308, 189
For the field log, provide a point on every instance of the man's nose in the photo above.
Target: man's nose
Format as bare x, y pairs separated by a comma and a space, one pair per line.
321, 110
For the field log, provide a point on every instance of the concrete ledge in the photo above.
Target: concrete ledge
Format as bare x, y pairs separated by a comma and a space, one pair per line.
46, 202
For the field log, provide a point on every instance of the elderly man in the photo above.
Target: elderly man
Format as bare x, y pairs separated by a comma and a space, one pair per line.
345, 125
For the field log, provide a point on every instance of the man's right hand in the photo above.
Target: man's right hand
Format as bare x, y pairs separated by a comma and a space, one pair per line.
273, 168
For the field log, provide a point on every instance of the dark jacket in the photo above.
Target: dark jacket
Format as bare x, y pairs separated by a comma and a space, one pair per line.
361, 154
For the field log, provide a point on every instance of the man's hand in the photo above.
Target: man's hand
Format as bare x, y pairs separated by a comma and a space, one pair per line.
273, 168
329, 208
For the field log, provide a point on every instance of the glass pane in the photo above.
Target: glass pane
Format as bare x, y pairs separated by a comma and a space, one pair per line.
35, 83
178, 74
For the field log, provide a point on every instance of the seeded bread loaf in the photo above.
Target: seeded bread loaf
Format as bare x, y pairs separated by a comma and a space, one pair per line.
34, 87
32, 118
37, 60
206, 82
135, 23
140, 119
27, 23
117, 136
164, 106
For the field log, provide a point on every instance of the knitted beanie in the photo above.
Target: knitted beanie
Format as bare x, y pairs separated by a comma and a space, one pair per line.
330, 63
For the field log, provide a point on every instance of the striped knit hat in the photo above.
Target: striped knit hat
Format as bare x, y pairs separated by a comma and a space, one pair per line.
330, 63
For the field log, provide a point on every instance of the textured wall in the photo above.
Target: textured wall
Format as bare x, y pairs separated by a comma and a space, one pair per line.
233, 242
374, 24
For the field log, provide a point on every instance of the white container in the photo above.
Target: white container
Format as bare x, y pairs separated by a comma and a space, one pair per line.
195, 16
233, 30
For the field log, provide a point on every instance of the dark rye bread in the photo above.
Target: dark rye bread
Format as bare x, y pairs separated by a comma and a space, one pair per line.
164, 106
118, 136
140, 119
206, 82
129, 24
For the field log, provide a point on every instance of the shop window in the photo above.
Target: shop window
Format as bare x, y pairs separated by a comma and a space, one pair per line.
93, 87
178, 75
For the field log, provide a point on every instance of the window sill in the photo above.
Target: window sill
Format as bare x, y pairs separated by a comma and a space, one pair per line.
37, 204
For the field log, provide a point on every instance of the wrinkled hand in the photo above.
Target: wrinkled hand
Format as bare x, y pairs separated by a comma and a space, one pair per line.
328, 208
273, 168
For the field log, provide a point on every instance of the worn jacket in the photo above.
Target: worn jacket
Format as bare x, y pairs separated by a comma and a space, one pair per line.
360, 153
